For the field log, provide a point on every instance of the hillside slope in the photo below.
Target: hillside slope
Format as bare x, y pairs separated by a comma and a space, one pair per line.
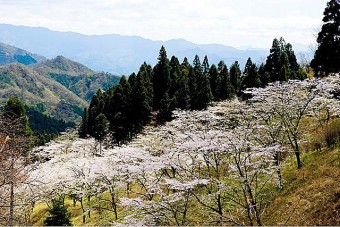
312, 194
33, 88
76, 77
310, 197
10, 54
62, 65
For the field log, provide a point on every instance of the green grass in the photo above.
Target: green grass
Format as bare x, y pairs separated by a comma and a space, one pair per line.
312, 193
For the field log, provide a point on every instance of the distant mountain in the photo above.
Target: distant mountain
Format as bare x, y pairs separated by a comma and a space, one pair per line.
76, 77
117, 53
62, 66
10, 54
36, 89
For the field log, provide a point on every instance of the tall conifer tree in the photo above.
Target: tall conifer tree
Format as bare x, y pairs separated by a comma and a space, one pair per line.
327, 56
235, 76
161, 77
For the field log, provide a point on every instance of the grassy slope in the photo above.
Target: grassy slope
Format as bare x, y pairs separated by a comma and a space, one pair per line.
311, 195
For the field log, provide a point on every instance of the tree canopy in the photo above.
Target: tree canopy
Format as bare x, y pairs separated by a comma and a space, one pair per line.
327, 56
169, 85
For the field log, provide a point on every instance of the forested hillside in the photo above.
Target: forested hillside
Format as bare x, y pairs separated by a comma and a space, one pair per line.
77, 78
60, 87
10, 54
33, 88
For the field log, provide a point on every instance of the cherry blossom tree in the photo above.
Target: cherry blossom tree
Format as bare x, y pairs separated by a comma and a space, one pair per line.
290, 102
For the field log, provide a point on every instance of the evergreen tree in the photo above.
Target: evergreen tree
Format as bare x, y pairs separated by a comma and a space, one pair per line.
120, 104
201, 93
272, 65
215, 82
185, 64
195, 74
204, 96
83, 129
59, 216
293, 64
101, 129
175, 74
96, 107
250, 76
141, 98
15, 109
161, 77
284, 65
327, 56
165, 110
235, 76
281, 63
183, 93
264, 76
205, 64
227, 90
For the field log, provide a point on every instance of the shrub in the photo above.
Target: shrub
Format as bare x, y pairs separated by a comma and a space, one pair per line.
59, 216
331, 133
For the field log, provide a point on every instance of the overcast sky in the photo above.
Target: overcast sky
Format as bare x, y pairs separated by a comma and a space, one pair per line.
231, 22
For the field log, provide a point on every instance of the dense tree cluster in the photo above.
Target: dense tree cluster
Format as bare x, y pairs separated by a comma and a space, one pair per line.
171, 85
281, 64
327, 56
45, 128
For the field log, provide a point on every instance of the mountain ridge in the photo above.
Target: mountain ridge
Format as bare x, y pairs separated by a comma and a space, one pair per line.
76, 77
62, 86
61, 65
11, 54
118, 53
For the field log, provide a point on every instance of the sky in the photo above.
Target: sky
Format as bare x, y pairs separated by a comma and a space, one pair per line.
239, 23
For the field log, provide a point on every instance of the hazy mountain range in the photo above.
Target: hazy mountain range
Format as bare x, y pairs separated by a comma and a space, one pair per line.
117, 53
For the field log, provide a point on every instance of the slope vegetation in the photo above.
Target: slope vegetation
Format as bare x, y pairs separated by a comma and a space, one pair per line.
33, 88
312, 194
76, 77
10, 54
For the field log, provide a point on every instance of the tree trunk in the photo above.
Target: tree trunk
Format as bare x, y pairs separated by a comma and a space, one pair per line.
11, 202
11, 206
278, 170
220, 209
297, 154
89, 201
128, 188
82, 207
100, 147
113, 203
253, 204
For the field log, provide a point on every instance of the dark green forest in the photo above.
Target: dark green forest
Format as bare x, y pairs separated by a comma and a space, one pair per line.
42, 127
125, 109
